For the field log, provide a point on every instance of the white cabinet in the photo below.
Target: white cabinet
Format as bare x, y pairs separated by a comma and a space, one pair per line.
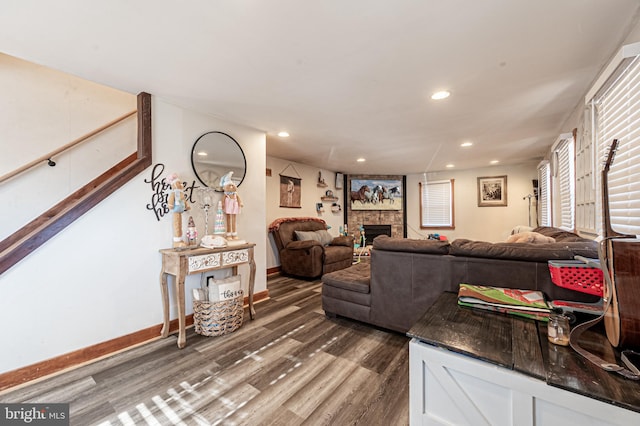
447, 388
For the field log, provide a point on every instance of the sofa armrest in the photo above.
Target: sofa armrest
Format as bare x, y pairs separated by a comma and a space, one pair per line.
343, 240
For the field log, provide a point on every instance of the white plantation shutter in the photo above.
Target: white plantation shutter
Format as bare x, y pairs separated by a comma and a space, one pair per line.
544, 196
618, 117
436, 204
565, 160
586, 175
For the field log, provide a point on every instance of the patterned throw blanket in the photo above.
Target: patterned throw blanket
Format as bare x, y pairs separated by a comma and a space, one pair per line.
275, 225
524, 303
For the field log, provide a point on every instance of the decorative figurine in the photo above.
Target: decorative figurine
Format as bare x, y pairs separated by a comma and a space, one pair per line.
232, 204
178, 204
206, 206
192, 232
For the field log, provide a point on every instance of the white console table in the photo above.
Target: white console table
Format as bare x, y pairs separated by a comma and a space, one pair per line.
477, 368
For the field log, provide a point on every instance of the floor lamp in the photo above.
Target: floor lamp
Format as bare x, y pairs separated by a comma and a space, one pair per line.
529, 196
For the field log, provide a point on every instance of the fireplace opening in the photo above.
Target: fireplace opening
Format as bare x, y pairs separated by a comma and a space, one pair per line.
372, 231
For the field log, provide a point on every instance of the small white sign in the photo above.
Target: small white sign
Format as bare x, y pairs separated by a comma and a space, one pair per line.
229, 291
225, 289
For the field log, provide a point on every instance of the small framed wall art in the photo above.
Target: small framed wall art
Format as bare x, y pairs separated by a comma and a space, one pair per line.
290, 192
492, 191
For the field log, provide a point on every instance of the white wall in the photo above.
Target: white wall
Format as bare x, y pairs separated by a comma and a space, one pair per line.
492, 224
98, 279
42, 110
311, 194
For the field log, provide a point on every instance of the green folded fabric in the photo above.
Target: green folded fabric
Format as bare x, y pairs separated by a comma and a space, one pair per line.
524, 303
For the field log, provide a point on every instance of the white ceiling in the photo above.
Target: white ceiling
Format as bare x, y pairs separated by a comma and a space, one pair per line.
346, 78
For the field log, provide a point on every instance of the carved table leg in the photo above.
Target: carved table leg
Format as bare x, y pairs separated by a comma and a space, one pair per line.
165, 304
252, 281
182, 337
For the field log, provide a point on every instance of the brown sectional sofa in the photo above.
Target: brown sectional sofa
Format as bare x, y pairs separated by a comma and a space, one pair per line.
407, 275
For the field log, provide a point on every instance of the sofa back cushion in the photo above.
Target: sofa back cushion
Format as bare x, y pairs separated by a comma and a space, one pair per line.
524, 251
322, 236
384, 242
560, 235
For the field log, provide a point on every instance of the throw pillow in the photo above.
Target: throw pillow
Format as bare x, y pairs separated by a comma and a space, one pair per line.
322, 236
530, 237
521, 228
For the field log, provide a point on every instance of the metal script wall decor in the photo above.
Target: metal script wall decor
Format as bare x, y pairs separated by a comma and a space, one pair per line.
160, 189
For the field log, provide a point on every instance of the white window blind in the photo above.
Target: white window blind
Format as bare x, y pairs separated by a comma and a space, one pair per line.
544, 196
436, 204
565, 178
618, 117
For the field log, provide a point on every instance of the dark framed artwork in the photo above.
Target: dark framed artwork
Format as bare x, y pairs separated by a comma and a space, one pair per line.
376, 194
290, 195
492, 191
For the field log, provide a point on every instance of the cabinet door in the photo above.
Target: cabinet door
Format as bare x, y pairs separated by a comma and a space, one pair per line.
449, 388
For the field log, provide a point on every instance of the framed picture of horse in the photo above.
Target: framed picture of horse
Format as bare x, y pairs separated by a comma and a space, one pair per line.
492, 191
376, 194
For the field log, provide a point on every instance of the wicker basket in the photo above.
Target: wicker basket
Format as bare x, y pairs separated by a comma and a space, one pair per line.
218, 318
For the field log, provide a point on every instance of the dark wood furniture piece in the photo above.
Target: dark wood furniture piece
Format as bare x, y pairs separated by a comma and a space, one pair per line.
181, 263
474, 367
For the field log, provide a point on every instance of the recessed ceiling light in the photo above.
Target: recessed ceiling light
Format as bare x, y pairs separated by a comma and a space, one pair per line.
443, 94
466, 144
449, 166
283, 134
361, 160
495, 161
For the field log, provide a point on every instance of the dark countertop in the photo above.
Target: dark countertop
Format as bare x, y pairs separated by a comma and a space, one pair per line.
521, 345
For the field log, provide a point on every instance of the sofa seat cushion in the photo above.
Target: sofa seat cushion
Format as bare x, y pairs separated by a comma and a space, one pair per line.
523, 251
384, 242
355, 278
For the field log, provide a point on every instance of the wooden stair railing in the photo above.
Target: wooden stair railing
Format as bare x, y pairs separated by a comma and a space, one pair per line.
24, 241
63, 148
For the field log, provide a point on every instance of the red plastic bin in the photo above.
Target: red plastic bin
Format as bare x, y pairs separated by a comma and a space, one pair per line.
576, 275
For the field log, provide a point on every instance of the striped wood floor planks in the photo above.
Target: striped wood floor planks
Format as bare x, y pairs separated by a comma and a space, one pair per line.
291, 366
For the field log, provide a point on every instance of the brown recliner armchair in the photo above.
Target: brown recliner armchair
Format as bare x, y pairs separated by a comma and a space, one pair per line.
311, 251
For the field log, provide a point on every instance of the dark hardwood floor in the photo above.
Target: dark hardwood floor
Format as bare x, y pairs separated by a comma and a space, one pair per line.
290, 366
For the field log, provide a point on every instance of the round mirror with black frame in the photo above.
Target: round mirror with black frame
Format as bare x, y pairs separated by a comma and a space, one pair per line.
215, 154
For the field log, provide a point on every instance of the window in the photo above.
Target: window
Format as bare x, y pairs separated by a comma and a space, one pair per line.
617, 116
544, 196
564, 183
436, 204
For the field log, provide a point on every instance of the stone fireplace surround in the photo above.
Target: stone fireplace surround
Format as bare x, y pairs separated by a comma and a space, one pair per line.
356, 218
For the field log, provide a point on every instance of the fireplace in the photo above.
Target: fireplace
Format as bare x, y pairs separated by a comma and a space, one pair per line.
372, 231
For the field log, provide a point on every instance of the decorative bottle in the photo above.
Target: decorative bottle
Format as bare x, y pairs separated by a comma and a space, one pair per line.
192, 233
219, 226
